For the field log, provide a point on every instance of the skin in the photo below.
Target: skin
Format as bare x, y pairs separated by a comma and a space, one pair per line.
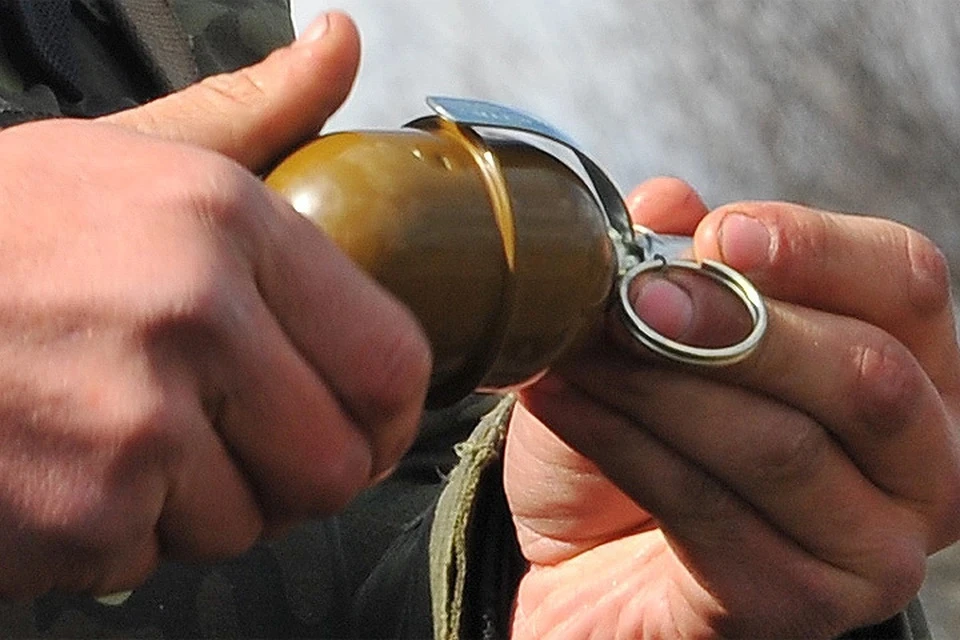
796, 494
186, 363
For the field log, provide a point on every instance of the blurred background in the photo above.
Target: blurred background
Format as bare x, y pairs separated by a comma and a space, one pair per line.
851, 106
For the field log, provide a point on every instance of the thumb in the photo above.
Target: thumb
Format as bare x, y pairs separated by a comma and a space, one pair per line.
257, 113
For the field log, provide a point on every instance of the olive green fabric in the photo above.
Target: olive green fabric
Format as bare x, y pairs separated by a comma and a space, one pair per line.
464, 524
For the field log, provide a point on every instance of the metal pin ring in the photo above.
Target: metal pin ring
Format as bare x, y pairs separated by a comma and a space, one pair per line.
684, 353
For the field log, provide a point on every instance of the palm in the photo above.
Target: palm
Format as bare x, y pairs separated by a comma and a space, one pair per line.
627, 588
598, 563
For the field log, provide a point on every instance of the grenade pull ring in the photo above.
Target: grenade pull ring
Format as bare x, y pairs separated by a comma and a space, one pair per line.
677, 351
637, 250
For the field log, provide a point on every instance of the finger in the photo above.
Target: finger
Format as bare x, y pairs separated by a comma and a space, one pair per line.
666, 205
257, 113
368, 348
330, 375
742, 560
876, 270
304, 454
211, 511
867, 390
126, 569
872, 394
36, 563
332, 350
775, 458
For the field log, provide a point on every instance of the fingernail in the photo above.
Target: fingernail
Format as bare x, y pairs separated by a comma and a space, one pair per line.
315, 30
744, 242
665, 306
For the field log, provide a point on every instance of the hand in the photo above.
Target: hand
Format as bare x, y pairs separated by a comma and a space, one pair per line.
185, 362
795, 494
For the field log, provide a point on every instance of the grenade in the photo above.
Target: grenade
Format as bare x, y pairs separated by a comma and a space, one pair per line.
501, 250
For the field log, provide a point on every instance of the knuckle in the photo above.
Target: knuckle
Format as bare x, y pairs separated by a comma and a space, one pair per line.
220, 198
887, 383
795, 452
236, 535
798, 238
150, 437
201, 301
144, 121
827, 613
72, 523
240, 538
392, 401
241, 88
24, 588
928, 285
234, 210
193, 182
312, 497
701, 507
110, 571
203, 197
208, 306
115, 589
92, 491
863, 597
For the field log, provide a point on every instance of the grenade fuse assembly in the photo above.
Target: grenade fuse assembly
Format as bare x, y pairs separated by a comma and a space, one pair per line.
503, 252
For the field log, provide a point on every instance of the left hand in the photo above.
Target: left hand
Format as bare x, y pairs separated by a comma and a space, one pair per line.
795, 494
187, 362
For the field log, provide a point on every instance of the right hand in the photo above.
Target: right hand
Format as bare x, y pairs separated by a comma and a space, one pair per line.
795, 494
185, 362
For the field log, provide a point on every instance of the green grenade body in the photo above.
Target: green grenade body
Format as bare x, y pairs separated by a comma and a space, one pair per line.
498, 248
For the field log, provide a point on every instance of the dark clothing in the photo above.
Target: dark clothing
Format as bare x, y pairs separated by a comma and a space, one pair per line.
89, 57
362, 574
432, 549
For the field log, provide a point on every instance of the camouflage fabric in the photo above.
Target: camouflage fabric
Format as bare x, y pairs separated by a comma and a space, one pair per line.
89, 57
229, 35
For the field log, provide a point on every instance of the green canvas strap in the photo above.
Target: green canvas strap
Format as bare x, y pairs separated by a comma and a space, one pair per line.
449, 542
